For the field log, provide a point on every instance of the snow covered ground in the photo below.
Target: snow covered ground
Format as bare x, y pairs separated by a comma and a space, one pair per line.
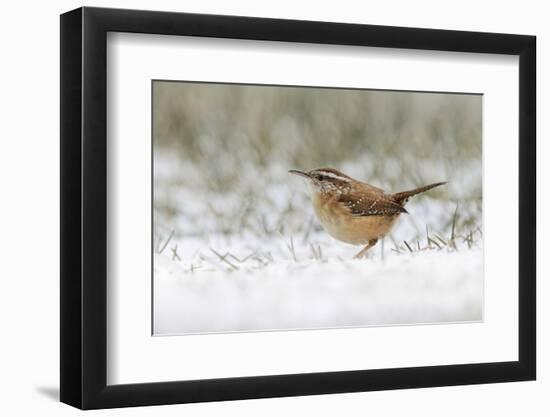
237, 246
243, 282
282, 285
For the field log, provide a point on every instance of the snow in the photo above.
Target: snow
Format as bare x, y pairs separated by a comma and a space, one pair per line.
254, 258
237, 246
207, 294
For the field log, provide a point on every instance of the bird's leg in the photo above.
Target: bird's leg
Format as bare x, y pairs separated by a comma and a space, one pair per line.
361, 254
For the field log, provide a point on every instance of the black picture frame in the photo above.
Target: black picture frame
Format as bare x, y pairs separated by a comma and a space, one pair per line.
84, 207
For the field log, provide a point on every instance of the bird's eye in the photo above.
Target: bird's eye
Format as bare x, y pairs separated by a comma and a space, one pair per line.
321, 177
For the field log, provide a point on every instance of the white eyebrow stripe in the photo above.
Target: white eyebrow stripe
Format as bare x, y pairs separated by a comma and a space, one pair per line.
333, 175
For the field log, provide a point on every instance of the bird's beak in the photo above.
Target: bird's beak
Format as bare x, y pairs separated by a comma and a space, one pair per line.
302, 173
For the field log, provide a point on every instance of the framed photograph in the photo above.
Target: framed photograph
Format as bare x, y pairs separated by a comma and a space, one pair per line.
258, 208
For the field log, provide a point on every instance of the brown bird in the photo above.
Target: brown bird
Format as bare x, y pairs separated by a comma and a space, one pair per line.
353, 211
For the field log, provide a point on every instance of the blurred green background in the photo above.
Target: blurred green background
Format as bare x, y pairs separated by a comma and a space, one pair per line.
222, 152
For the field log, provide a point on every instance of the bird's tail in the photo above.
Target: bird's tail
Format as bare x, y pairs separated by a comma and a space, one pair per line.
403, 196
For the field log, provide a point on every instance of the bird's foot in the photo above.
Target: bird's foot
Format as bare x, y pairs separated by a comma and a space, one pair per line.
363, 252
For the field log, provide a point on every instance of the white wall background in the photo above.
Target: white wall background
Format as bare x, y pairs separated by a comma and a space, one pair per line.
29, 229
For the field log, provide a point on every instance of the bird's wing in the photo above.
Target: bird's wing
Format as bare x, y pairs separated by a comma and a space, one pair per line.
368, 204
